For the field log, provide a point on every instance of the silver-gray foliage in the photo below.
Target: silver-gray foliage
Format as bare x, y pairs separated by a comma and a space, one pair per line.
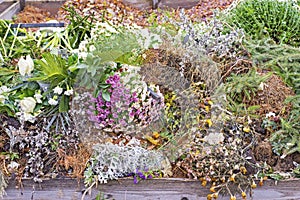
111, 161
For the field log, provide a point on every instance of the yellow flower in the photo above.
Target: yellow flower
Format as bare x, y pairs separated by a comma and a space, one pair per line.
151, 140
208, 122
212, 189
207, 108
155, 135
246, 129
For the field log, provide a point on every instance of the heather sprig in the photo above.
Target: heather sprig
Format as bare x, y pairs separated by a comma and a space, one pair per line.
143, 175
114, 106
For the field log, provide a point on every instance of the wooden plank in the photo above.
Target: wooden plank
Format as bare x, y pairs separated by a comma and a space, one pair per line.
69, 189
11, 11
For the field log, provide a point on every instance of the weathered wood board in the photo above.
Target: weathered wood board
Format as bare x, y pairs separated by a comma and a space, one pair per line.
146, 4
9, 9
155, 189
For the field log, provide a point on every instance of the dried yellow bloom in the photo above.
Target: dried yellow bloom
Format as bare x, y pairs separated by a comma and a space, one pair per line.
232, 197
155, 135
253, 185
208, 122
151, 140
209, 197
215, 195
246, 129
244, 195
243, 170
204, 183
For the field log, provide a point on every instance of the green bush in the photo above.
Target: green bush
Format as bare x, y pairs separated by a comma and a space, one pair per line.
267, 18
283, 59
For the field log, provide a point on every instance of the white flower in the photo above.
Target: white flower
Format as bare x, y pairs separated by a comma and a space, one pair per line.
68, 92
92, 48
270, 114
2, 98
28, 117
82, 55
13, 165
25, 65
27, 104
52, 102
262, 86
58, 90
4, 89
38, 97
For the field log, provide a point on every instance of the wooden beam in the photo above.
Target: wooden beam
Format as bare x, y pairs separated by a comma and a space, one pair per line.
164, 189
10, 11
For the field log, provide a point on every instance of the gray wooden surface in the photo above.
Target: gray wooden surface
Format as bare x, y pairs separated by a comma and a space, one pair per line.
156, 189
146, 4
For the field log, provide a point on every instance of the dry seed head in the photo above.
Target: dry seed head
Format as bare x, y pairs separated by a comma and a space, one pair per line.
244, 195
253, 185
232, 197
215, 195
209, 197
243, 170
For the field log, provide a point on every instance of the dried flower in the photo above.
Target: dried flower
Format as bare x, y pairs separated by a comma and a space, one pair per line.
215, 195
209, 197
243, 170
232, 197
253, 185
213, 189
244, 195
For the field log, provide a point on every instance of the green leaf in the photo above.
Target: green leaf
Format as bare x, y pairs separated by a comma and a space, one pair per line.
106, 95
64, 104
7, 109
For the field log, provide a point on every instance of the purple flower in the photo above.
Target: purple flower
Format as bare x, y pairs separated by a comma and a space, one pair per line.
135, 181
115, 115
107, 112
